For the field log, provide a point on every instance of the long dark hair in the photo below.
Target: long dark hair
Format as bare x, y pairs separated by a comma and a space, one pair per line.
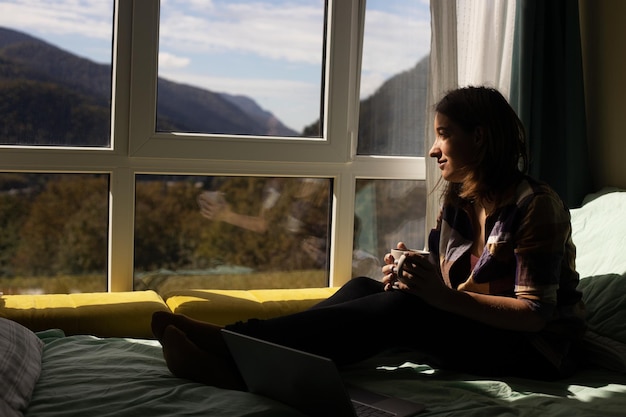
501, 157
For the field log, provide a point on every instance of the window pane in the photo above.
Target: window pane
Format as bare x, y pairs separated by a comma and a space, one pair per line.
54, 233
386, 212
394, 77
241, 67
55, 83
231, 232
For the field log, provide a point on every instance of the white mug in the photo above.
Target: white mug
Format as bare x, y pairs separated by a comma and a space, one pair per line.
397, 253
211, 198
400, 256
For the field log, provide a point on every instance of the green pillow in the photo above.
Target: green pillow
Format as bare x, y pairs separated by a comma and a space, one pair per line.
605, 300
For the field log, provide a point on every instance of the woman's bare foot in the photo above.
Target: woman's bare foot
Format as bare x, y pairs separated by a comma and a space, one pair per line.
206, 336
186, 360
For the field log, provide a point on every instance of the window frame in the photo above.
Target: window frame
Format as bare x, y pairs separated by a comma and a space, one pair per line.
137, 149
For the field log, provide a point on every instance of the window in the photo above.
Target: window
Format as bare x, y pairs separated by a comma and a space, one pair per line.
386, 212
392, 94
144, 164
394, 78
51, 95
54, 232
231, 232
245, 67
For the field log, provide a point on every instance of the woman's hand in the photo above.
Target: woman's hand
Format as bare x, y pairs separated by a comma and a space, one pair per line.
390, 279
419, 276
214, 210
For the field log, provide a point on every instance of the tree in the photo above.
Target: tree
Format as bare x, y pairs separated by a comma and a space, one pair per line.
69, 205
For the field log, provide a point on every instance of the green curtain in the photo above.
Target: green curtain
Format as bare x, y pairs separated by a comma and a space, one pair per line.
547, 91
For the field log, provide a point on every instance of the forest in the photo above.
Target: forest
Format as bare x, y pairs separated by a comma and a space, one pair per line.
54, 230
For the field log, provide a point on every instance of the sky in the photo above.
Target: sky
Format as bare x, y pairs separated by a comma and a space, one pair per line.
269, 50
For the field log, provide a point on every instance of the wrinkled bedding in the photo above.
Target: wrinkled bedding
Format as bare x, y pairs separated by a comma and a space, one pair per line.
85, 375
89, 376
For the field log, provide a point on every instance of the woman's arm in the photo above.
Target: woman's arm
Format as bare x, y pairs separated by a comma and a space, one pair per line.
224, 213
257, 224
497, 311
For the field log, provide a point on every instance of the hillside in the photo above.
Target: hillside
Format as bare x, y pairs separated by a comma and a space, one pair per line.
391, 121
50, 96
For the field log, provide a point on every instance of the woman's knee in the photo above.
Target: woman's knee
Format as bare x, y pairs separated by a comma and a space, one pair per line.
365, 285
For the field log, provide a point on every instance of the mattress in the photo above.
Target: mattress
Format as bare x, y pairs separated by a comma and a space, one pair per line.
86, 375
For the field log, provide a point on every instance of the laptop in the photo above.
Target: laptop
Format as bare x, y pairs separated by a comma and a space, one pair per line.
309, 383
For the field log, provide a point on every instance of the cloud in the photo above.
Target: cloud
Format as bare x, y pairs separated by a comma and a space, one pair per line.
256, 87
287, 30
197, 5
86, 18
265, 39
167, 60
393, 42
281, 30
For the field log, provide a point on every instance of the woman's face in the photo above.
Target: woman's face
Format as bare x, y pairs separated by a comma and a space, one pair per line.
453, 148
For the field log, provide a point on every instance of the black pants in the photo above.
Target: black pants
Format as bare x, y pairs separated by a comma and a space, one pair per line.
361, 320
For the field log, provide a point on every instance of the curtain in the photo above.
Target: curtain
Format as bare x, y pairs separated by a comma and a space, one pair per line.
485, 32
443, 76
547, 91
471, 44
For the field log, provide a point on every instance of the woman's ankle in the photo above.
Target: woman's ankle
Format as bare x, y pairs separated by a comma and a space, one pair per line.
186, 360
206, 336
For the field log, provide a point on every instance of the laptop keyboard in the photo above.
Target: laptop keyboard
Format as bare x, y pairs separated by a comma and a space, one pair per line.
364, 410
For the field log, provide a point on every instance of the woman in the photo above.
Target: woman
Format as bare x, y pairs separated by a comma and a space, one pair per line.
497, 295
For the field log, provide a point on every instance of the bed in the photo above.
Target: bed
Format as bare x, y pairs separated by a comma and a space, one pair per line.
80, 375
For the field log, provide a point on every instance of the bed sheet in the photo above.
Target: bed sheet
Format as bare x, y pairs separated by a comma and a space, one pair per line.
592, 392
85, 375
89, 376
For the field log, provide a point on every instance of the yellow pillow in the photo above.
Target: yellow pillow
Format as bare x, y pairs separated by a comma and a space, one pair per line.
115, 314
228, 306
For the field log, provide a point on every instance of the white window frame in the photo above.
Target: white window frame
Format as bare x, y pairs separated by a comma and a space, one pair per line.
137, 149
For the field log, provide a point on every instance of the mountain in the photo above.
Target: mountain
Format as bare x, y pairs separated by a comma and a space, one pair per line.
391, 121
273, 125
192, 109
50, 96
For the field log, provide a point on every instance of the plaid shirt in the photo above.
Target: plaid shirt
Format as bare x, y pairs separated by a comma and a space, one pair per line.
529, 253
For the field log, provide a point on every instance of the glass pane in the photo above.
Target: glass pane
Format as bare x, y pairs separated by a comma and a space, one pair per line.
54, 233
231, 232
386, 212
55, 85
249, 67
394, 77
